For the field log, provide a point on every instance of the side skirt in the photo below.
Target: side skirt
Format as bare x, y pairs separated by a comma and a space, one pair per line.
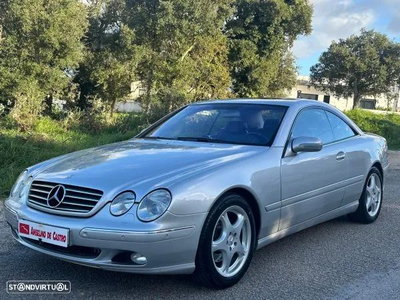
343, 210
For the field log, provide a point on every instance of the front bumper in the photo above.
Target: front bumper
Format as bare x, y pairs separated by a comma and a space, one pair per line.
169, 243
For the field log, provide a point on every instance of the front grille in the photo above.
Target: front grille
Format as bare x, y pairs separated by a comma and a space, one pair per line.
77, 199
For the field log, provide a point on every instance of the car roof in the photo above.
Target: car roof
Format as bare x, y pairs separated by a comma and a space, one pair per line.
285, 102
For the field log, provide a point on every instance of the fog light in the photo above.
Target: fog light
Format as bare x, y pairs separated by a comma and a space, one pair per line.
138, 258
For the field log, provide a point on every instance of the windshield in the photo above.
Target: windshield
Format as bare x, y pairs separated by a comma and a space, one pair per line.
246, 124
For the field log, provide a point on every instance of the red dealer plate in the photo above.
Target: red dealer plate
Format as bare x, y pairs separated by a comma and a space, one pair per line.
45, 233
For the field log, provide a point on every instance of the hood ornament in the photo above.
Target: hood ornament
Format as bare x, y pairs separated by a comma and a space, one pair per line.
56, 196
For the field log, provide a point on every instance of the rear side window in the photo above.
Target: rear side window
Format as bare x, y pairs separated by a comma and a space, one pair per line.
313, 123
340, 128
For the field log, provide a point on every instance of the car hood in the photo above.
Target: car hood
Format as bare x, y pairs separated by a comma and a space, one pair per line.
127, 164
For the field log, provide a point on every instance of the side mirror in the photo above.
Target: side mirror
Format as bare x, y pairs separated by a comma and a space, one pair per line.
306, 144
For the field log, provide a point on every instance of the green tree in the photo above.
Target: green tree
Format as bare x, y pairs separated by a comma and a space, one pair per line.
260, 35
111, 55
185, 50
361, 65
285, 76
39, 48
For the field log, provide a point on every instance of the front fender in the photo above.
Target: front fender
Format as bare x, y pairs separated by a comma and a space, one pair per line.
258, 174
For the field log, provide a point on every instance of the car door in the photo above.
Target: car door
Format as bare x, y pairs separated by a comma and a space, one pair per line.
312, 182
356, 155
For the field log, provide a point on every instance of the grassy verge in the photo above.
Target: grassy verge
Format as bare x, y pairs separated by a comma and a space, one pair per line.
50, 138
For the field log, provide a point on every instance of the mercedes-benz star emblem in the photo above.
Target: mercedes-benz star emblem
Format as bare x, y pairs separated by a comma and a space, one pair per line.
56, 196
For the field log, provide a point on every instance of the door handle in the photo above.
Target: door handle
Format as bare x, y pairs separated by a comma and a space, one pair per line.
340, 156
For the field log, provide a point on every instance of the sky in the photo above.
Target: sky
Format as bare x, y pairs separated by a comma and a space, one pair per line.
335, 19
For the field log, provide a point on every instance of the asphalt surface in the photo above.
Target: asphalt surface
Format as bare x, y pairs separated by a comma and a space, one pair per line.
335, 260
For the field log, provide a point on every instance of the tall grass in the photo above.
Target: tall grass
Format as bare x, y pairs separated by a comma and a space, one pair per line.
49, 138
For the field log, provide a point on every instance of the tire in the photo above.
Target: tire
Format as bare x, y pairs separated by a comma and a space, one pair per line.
370, 203
229, 243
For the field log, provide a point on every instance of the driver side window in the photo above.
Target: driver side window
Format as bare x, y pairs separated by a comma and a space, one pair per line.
313, 123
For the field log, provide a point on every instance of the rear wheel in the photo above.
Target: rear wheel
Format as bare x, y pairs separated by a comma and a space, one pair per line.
226, 244
370, 202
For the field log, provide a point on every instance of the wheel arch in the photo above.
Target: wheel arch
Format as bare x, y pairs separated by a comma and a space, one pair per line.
378, 165
250, 199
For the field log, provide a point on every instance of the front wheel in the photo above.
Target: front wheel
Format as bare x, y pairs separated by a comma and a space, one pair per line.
226, 244
370, 202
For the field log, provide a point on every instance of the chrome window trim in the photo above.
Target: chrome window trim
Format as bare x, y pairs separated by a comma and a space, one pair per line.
325, 109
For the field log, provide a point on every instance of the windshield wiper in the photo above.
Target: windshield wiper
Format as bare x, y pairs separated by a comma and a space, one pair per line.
183, 138
201, 139
195, 139
157, 138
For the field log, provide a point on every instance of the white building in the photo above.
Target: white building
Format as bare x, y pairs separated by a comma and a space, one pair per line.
305, 90
132, 105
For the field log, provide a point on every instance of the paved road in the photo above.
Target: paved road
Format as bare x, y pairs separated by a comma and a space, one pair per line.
335, 260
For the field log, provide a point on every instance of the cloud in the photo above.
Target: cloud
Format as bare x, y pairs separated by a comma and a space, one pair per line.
390, 14
394, 25
333, 20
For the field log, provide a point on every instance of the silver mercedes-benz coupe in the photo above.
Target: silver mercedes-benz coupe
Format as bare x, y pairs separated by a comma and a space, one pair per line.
201, 189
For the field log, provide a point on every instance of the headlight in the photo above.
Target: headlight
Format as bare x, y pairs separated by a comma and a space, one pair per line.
19, 183
122, 203
154, 205
25, 187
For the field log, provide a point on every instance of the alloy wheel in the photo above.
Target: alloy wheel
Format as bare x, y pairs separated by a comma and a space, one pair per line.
231, 241
374, 194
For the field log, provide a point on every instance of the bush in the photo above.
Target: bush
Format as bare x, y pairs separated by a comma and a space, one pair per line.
28, 105
385, 124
